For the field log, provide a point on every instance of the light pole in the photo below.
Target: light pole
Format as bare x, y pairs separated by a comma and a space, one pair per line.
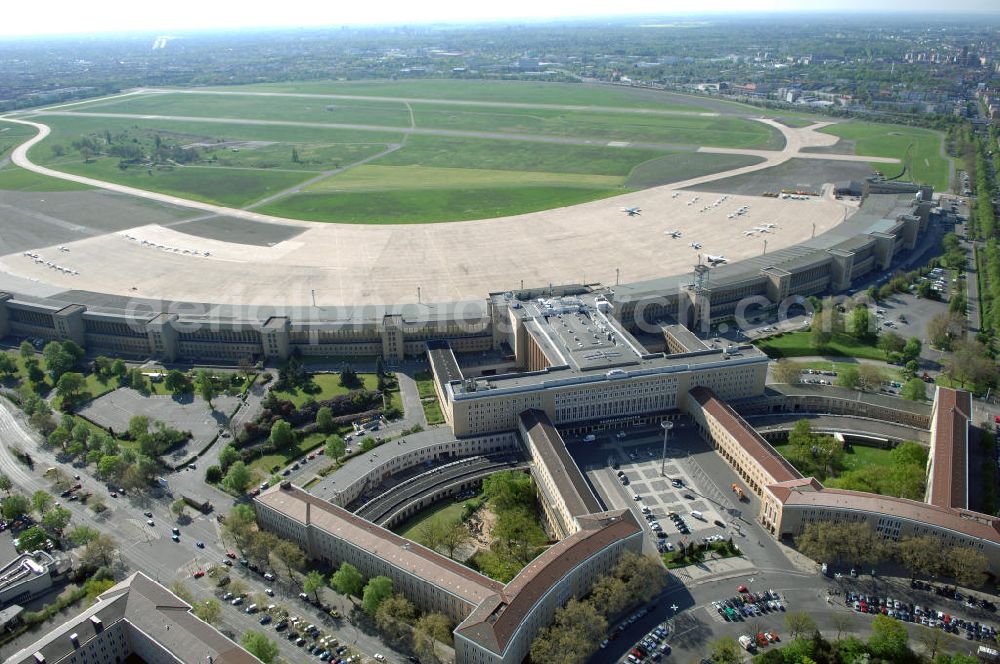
667, 426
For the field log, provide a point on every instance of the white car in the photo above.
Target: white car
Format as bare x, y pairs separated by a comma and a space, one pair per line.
379, 657
268, 592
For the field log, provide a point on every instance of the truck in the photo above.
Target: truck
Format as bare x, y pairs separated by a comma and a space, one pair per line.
748, 644
738, 491
199, 504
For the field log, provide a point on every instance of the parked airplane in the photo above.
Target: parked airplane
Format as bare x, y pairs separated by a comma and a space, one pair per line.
695, 245
715, 260
673, 234
631, 211
770, 226
761, 229
750, 232
675, 194
63, 247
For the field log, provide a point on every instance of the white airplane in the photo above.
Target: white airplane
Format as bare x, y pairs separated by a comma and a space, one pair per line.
673, 234
695, 245
63, 247
631, 211
675, 194
770, 226
207, 253
750, 232
761, 229
715, 260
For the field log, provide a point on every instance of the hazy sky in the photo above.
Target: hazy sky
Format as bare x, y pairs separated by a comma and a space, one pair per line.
76, 16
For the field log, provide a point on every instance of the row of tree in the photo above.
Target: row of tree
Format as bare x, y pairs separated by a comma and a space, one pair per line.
852, 543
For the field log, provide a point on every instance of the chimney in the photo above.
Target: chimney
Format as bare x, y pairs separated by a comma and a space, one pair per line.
39, 658
97, 623
74, 638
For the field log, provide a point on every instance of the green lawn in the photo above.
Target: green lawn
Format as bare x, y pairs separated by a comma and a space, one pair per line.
425, 384
453, 152
885, 140
386, 178
329, 387
855, 457
223, 186
795, 344
432, 410
486, 91
445, 512
683, 166
289, 109
13, 178
419, 206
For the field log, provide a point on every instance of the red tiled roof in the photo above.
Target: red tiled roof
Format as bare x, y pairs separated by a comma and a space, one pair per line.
755, 445
950, 464
494, 622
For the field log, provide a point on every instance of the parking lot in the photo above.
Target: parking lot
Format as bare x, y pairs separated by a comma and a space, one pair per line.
700, 505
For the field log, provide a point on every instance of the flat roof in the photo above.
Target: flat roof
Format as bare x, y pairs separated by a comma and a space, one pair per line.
443, 361
566, 475
401, 553
832, 391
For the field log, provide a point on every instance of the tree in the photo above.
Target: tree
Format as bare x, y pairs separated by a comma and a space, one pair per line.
312, 582
177, 382
860, 323
26, 350
119, 369
32, 539
889, 639
5, 484
454, 537
208, 610
968, 566
347, 580
786, 371
573, 636
349, 378
136, 380
933, 640
912, 349
842, 622
238, 478
376, 591
944, 328
8, 365
726, 650
206, 387
57, 519
99, 552
393, 612
213, 474
291, 555
295, 155
14, 505
70, 385
83, 535
41, 501
869, 377
848, 377
282, 434
137, 426
239, 524
227, 456
437, 625
58, 360
335, 447
800, 624
177, 508
259, 646
890, 342
324, 419
914, 390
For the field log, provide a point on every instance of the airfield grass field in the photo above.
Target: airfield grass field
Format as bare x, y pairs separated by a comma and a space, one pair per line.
13, 178
218, 152
881, 140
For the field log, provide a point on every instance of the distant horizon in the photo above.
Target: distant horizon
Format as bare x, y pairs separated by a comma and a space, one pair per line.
118, 18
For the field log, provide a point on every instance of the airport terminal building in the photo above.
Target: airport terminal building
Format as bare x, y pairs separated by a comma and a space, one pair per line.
892, 221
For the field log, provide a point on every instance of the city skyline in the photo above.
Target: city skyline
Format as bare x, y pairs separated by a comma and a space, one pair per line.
117, 16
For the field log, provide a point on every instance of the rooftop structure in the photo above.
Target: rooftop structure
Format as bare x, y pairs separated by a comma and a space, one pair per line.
948, 464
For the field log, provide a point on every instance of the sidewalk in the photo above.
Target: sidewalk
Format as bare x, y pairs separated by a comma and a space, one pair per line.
710, 569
